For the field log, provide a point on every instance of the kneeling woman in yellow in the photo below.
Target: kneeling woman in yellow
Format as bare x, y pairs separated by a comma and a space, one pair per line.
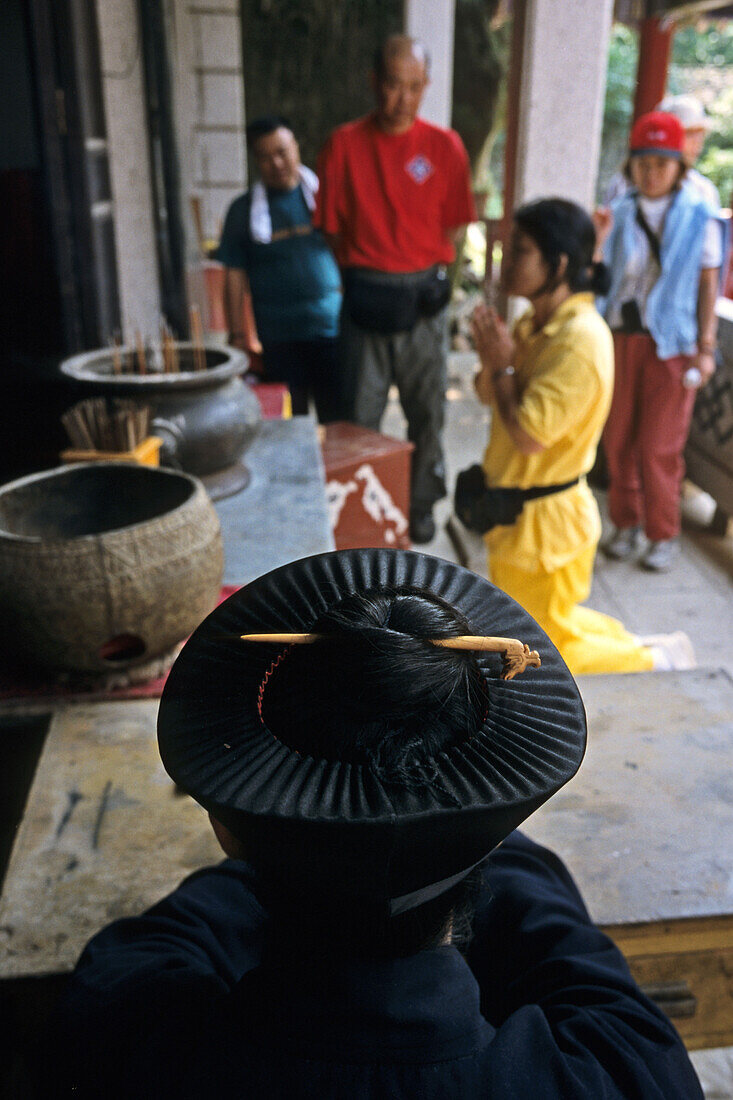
550, 387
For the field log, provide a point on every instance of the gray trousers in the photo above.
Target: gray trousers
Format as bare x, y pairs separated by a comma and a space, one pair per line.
416, 362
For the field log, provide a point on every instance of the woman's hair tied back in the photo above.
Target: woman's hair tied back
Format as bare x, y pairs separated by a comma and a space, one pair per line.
560, 228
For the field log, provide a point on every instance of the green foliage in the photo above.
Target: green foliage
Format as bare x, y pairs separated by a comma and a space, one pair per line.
480, 57
478, 67
623, 54
721, 113
717, 158
717, 165
702, 62
694, 46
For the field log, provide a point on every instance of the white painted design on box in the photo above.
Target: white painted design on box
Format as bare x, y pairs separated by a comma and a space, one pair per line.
375, 500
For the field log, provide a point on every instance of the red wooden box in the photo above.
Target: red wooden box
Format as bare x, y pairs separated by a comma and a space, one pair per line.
274, 399
368, 486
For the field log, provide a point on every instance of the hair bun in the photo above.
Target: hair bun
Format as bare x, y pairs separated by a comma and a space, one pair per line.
600, 280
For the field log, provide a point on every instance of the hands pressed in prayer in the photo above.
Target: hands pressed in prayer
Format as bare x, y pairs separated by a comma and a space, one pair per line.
492, 338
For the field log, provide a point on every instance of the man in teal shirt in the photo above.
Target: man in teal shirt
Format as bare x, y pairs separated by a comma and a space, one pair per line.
271, 251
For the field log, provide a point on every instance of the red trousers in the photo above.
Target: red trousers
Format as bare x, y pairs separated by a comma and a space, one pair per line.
645, 435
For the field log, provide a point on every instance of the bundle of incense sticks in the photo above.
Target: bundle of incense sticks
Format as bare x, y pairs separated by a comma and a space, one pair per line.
99, 425
134, 360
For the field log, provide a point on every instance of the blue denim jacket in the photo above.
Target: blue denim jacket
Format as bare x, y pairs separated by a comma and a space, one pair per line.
671, 308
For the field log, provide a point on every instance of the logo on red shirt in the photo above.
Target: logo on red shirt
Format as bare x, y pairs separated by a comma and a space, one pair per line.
419, 168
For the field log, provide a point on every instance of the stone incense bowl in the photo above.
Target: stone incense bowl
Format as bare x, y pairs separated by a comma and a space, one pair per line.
104, 566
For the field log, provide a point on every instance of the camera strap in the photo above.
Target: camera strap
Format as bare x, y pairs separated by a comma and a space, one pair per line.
655, 243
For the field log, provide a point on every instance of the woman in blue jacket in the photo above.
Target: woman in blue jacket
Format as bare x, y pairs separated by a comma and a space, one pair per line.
664, 251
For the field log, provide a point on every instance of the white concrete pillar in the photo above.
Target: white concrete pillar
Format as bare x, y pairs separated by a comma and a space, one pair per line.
561, 99
433, 22
208, 87
127, 137
205, 39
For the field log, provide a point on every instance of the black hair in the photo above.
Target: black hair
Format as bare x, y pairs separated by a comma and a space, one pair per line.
394, 46
373, 690
562, 228
261, 127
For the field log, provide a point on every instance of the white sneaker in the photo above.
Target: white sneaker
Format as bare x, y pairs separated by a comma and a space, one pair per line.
660, 556
670, 652
625, 543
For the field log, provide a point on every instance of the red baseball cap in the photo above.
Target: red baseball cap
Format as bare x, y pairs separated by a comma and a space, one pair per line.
657, 132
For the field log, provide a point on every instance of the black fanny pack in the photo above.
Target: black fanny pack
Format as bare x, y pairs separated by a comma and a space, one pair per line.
631, 321
480, 508
388, 307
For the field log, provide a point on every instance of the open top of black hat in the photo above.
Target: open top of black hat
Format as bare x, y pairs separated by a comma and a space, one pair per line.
332, 823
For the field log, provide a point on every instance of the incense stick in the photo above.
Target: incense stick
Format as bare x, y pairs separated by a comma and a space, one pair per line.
163, 330
175, 366
116, 357
142, 366
197, 336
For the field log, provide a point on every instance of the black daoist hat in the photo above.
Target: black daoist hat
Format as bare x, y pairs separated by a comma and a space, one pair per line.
333, 825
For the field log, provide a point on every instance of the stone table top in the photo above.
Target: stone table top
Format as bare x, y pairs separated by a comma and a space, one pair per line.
282, 514
646, 826
104, 835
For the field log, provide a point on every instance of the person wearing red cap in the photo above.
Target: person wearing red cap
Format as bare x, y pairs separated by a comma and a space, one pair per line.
696, 124
664, 250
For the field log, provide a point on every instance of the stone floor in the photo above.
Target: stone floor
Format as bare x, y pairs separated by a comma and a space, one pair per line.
695, 596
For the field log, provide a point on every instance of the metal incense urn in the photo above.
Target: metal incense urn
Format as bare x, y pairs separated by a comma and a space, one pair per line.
203, 412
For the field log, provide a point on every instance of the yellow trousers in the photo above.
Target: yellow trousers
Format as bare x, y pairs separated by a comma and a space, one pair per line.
588, 640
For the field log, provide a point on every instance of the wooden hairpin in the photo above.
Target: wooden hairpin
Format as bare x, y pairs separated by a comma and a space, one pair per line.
516, 656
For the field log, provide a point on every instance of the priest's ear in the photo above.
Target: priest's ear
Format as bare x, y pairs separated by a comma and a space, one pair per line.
231, 845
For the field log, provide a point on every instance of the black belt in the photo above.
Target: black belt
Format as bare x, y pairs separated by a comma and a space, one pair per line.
480, 507
546, 490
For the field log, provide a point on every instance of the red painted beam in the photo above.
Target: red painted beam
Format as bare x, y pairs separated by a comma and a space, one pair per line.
511, 147
655, 42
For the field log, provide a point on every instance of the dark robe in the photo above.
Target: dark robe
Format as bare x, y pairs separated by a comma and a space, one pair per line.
183, 1001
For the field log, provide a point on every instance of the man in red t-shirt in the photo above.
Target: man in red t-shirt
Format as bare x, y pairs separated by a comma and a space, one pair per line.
394, 191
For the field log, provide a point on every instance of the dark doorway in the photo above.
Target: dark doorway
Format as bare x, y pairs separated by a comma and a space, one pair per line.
157, 33
58, 284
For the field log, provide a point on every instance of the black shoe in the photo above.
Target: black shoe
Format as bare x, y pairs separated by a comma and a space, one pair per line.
422, 526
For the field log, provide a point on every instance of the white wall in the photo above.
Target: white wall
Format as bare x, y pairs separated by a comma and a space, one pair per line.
204, 46
122, 89
433, 22
561, 105
208, 88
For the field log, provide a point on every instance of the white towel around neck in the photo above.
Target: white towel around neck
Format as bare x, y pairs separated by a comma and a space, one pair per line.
260, 222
